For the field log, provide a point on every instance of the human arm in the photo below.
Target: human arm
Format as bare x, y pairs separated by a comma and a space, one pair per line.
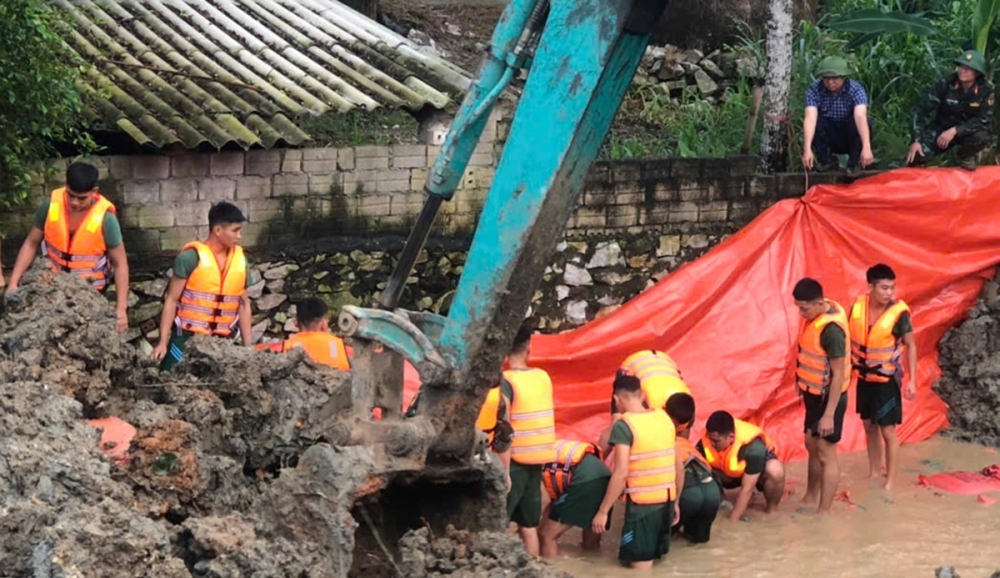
826, 425
506, 394
861, 122
616, 485
174, 290
245, 316
679, 481
119, 263
25, 256
921, 117
604, 441
808, 133
911, 365
982, 117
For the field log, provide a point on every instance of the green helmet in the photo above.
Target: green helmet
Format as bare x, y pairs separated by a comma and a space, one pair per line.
832, 66
973, 59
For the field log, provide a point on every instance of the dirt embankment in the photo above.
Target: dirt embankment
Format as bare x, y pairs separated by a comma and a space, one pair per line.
970, 372
245, 463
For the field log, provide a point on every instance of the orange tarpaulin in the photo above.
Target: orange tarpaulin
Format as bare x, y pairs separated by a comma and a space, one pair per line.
730, 322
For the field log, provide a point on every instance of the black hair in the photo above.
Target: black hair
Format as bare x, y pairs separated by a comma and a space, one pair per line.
625, 383
720, 422
81, 177
807, 290
522, 339
680, 408
224, 213
880, 272
310, 311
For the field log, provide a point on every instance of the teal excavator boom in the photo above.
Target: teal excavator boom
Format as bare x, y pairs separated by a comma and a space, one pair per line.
580, 56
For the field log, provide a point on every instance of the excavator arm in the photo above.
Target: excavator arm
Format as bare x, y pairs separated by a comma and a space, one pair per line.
580, 56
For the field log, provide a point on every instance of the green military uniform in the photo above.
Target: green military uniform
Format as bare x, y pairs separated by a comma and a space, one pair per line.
699, 502
588, 483
947, 105
646, 531
184, 265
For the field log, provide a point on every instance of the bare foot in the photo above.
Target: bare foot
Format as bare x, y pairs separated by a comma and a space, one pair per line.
887, 486
808, 500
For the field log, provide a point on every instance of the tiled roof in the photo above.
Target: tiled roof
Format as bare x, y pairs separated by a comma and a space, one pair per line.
211, 73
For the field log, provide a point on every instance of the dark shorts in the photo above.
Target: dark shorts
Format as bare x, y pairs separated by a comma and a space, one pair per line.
815, 406
880, 403
646, 537
579, 504
699, 506
175, 350
524, 501
733, 483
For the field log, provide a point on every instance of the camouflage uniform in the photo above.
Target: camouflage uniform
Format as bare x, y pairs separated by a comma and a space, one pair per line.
945, 106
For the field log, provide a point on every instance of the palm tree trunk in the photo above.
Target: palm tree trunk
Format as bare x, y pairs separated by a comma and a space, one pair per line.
777, 83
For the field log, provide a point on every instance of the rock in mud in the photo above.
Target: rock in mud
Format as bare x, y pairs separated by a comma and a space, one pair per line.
970, 375
461, 554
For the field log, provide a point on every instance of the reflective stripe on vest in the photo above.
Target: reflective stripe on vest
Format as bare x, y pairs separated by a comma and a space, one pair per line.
813, 371
652, 472
876, 353
210, 301
532, 416
559, 474
85, 252
728, 462
321, 347
658, 376
689, 453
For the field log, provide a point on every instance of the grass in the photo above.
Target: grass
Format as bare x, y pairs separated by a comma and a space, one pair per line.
359, 127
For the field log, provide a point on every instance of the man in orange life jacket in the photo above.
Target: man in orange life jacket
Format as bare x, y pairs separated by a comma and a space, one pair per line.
742, 456
660, 379
648, 470
78, 230
207, 292
527, 391
822, 376
311, 318
701, 495
881, 328
576, 483
494, 422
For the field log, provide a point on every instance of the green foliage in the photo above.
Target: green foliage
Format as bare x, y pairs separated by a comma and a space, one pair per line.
40, 104
982, 22
871, 23
362, 127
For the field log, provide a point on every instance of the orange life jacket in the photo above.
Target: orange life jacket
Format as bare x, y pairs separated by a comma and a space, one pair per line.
875, 352
532, 416
728, 462
322, 347
559, 474
210, 302
652, 476
813, 371
490, 412
658, 375
689, 453
84, 252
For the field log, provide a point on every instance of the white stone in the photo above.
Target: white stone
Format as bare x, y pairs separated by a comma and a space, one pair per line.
270, 301
606, 254
576, 276
258, 330
576, 312
562, 292
256, 290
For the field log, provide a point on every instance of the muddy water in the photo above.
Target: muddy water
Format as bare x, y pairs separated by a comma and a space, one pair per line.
905, 535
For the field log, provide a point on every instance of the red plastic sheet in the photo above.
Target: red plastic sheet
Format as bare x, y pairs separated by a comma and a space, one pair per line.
730, 322
985, 481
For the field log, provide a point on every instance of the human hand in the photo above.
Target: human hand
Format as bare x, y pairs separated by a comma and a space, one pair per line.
599, 523
825, 425
945, 138
808, 160
867, 157
121, 321
677, 512
911, 389
915, 149
159, 351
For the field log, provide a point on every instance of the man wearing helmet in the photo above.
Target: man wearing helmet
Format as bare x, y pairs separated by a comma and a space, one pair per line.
836, 120
956, 112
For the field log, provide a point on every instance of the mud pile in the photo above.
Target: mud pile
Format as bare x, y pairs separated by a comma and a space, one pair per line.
244, 462
970, 367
